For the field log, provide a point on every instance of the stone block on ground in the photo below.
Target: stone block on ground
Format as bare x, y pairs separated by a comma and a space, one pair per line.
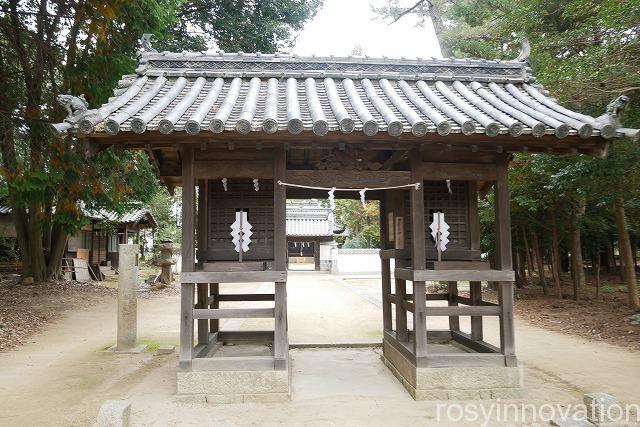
603, 409
114, 413
570, 421
165, 349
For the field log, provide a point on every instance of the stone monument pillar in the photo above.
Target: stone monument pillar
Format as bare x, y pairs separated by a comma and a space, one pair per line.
128, 300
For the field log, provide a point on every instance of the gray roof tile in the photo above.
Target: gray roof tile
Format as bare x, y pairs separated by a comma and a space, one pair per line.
194, 92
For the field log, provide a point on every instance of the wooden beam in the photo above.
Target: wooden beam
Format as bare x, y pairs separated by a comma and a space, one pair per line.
212, 169
245, 297
458, 275
463, 311
233, 313
347, 179
245, 336
233, 276
470, 301
396, 157
475, 345
436, 171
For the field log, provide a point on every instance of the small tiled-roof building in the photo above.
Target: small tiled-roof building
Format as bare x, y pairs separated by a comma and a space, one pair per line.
95, 241
309, 224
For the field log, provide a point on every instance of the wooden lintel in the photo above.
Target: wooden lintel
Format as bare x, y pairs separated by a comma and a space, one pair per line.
433, 171
212, 169
349, 179
457, 275
233, 276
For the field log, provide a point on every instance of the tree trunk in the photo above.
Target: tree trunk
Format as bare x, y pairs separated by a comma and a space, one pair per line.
577, 264
555, 257
521, 278
527, 252
626, 257
596, 266
611, 259
535, 244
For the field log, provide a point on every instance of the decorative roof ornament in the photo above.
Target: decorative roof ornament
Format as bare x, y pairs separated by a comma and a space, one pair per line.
609, 122
76, 107
146, 40
525, 51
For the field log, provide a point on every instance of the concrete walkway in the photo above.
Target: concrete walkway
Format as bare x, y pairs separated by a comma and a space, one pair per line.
62, 377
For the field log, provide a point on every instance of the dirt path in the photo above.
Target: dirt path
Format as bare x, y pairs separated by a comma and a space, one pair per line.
62, 376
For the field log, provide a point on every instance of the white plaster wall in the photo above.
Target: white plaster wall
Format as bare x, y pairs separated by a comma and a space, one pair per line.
349, 261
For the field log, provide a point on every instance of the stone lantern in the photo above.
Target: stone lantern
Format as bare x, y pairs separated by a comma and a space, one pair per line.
166, 261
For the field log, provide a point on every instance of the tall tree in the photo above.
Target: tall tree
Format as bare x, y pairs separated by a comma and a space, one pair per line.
49, 47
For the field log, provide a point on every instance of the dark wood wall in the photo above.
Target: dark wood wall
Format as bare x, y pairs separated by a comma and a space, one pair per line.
223, 205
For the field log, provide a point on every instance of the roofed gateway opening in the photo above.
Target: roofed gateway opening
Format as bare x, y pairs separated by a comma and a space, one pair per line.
420, 136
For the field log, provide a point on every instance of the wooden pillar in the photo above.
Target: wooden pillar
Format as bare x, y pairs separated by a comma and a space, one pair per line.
475, 288
202, 288
418, 257
214, 292
280, 342
454, 321
504, 261
475, 293
188, 257
385, 264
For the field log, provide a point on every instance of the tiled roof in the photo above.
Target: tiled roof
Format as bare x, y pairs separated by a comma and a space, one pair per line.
307, 219
130, 217
200, 92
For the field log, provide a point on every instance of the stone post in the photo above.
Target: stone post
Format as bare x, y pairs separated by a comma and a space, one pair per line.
127, 297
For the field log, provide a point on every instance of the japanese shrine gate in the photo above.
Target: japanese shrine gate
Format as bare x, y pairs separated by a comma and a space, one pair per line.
219, 122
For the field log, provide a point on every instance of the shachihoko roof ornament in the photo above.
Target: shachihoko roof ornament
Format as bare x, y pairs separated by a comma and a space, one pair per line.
269, 93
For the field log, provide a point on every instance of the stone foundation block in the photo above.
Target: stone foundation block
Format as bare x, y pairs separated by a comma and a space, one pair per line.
454, 383
235, 386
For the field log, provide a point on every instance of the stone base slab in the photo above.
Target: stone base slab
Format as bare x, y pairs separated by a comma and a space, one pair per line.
453, 383
133, 350
234, 386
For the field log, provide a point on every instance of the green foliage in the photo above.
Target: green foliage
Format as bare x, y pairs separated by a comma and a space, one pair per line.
239, 26
163, 206
51, 47
362, 222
